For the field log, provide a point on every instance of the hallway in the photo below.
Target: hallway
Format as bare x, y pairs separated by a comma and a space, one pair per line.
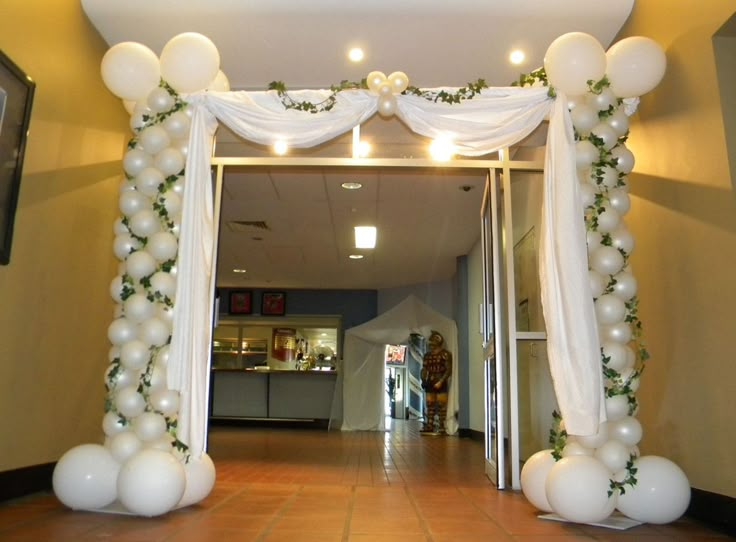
309, 485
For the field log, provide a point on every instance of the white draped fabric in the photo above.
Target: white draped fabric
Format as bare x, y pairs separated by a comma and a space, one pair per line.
493, 119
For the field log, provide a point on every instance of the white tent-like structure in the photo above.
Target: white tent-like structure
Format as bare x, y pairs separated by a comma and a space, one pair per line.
363, 375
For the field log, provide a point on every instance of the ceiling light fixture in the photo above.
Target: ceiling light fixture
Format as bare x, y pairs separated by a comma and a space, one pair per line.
237, 270
356, 54
281, 147
365, 237
441, 149
351, 185
356, 256
364, 149
517, 56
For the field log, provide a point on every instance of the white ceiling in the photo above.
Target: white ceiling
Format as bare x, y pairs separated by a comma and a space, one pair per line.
425, 221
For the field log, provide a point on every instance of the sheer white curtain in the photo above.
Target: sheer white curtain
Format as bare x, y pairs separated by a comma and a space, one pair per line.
493, 119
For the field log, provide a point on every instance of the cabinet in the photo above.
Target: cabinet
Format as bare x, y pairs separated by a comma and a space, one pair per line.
231, 350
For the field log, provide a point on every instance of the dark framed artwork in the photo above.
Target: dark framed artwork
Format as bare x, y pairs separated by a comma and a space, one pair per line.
16, 99
241, 302
273, 304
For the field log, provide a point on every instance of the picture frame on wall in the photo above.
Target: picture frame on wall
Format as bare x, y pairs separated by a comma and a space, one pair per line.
241, 302
273, 304
16, 99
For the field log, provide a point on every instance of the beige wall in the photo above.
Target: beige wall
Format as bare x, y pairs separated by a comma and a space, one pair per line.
54, 301
684, 219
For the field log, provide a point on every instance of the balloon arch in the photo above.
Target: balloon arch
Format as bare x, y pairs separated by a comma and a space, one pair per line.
153, 459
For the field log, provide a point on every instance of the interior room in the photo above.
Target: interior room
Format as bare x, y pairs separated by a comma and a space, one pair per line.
286, 291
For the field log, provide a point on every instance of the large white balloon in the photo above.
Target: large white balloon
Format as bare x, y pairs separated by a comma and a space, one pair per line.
533, 477
200, 475
86, 477
130, 70
635, 66
151, 482
220, 83
661, 494
572, 60
577, 489
189, 62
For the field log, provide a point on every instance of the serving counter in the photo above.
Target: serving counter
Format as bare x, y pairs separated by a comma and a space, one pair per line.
272, 394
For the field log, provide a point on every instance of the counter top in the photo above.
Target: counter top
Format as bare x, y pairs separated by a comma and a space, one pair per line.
275, 371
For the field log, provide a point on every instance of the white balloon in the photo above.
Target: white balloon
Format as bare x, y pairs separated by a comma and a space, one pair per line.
162, 357
616, 354
623, 157
577, 489
130, 70
622, 239
165, 313
609, 309
181, 145
148, 181
154, 332
619, 200
614, 455
533, 477
399, 82
135, 355
604, 176
602, 101
86, 477
200, 475
661, 494
113, 353
575, 448
635, 66
593, 441
151, 482
619, 332
131, 202
138, 308
162, 246
629, 376
608, 220
158, 379
220, 83
124, 445
139, 118
170, 161
129, 402
617, 408
587, 194
149, 426
584, 118
119, 227
129, 106
572, 60
145, 222
374, 80
154, 139
627, 430
140, 264
117, 377
387, 105
598, 283
189, 62
603, 131
135, 161
159, 100
163, 283
112, 424
593, 239
172, 203
178, 186
585, 153
163, 443
619, 122
123, 245
606, 260
165, 401
177, 125
626, 285
574, 101
121, 330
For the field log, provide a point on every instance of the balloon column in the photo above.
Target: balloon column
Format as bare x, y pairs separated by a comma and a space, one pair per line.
143, 466
586, 477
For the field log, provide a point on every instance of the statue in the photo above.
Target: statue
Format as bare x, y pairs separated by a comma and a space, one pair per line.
436, 372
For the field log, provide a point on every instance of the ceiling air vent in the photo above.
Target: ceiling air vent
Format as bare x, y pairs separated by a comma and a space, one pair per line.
246, 226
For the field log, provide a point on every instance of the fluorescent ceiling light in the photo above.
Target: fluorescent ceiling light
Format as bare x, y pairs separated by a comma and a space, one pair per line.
356, 256
365, 237
351, 185
239, 271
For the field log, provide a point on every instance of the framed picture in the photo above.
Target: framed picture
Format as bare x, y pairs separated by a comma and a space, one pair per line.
241, 302
16, 98
273, 304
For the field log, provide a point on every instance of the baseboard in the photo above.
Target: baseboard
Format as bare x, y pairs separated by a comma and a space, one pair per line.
19, 482
715, 510
472, 434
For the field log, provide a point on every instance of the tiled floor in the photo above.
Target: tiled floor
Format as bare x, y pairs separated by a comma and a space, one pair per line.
307, 485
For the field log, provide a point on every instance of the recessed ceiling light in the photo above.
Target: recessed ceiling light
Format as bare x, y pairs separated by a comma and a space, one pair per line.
365, 237
351, 185
239, 271
280, 147
441, 149
364, 149
356, 256
356, 54
517, 56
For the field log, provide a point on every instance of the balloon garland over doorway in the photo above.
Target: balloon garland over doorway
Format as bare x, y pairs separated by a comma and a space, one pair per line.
145, 468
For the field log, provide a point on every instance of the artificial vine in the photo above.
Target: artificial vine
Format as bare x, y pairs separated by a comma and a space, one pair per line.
557, 436
467, 92
629, 480
325, 105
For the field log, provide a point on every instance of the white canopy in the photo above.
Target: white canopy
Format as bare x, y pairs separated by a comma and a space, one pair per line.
493, 119
363, 382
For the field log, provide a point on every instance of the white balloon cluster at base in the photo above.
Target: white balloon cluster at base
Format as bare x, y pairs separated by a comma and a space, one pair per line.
142, 465
600, 473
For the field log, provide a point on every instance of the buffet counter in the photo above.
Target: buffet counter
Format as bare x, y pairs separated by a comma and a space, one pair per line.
272, 394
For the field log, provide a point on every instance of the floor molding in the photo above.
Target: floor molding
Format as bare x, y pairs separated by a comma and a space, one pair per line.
24, 481
715, 510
